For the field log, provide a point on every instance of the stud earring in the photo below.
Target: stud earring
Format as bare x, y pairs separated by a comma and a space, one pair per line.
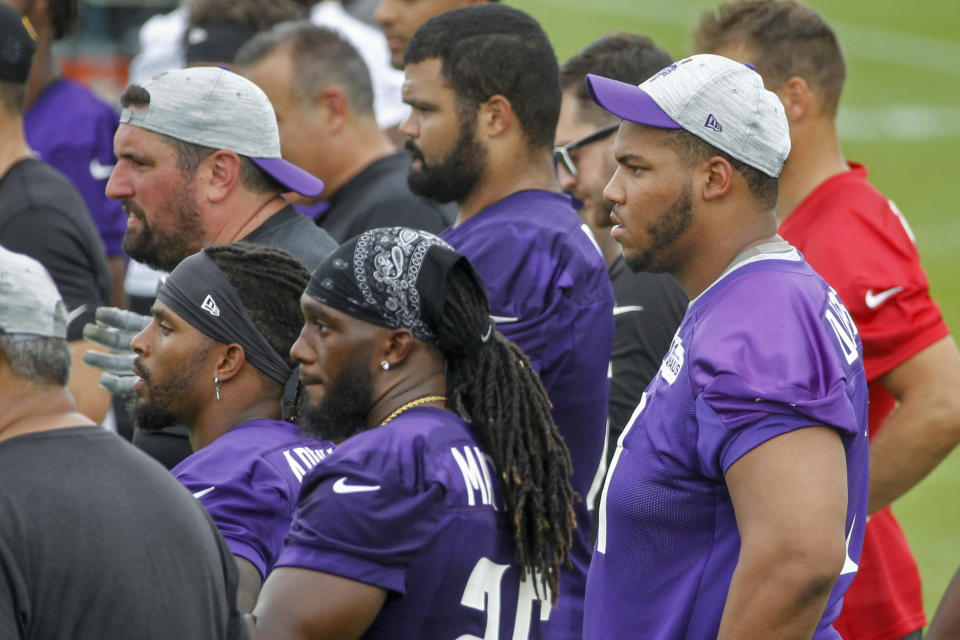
218, 384
385, 365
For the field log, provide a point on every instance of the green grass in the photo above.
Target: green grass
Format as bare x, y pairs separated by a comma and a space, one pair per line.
903, 75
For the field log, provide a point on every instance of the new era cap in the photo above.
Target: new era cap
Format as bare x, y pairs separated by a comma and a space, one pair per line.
716, 99
29, 301
17, 44
216, 108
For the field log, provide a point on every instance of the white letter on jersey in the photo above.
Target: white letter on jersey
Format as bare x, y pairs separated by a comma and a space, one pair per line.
476, 474
842, 325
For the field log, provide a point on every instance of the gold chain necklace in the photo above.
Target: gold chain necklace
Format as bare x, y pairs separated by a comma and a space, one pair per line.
412, 404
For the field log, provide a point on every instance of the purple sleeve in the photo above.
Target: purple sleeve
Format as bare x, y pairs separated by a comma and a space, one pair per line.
252, 508
362, 523
764, 373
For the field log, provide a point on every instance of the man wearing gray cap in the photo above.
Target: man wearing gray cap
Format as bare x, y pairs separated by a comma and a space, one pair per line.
43, 215
736, 501
96, 540
198, 163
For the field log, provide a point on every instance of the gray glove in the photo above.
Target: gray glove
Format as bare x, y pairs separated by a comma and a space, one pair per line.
114, 329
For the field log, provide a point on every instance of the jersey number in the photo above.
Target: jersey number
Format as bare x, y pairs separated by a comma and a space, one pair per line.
602, 522
483, 594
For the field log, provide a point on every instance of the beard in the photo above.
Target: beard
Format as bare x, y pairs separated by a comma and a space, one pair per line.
159, 249
664, 232
342, 412
156, 408
458, 173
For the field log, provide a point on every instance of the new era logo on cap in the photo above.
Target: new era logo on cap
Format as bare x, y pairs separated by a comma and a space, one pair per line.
210, 306
712, 123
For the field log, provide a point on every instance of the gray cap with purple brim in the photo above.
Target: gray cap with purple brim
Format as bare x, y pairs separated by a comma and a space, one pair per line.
216, 108
721, 101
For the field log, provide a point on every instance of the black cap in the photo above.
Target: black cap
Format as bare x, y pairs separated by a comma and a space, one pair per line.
17, 44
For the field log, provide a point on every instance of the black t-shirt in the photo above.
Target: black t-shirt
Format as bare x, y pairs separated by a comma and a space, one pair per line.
379, 196
649, 308
43, 216
98, 541
290, 230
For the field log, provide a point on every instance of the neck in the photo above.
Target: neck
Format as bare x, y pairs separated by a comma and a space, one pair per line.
815, 156
510, 173
728, 233
13, 142
28, 408
233, 227
359, 147
402, 388
219, 417
43, 71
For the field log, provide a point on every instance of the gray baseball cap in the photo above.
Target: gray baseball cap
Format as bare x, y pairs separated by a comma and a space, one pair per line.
716, 99
29, 301
216, 108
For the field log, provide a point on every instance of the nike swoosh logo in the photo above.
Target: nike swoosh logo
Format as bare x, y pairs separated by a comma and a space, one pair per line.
200, 494
100, 171
849, 566
504, 319
618, 310
341, 486
874, 300
73, 315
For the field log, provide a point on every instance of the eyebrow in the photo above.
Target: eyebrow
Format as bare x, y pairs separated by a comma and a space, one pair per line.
630, 157
155, 310
131, 155
420, 104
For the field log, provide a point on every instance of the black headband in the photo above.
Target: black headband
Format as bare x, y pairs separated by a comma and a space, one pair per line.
392, 277
200, 293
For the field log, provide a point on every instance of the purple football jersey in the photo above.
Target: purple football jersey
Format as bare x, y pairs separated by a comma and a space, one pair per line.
550, 293
72, 129
414, 507
249, 479
767, 349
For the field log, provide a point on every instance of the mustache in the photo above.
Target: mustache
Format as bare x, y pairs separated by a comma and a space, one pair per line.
414, 150
140, 370
131, 208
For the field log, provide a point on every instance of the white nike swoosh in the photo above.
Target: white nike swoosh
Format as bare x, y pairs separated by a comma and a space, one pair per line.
341, 486
74, 314
100, 171
200, 494
618, 310
849, 566
504, 319
874, 300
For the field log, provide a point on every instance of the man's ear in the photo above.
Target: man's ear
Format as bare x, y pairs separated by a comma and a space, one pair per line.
397, 345
220, 173
334, 108
797, 98
494, 116
229, 361
716, 177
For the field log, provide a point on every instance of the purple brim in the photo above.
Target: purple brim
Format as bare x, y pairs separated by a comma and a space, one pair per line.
629, 102
291, 176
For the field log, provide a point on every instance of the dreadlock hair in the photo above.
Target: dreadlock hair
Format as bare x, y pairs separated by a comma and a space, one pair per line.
493, 387
269, 282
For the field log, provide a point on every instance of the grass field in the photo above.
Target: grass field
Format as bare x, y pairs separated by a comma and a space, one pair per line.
900, 115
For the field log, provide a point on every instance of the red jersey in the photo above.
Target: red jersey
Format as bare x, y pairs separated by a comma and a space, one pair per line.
862, 246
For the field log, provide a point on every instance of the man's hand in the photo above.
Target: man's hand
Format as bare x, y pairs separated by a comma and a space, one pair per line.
114, 329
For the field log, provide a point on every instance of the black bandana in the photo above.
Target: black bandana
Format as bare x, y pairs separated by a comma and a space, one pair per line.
201, 294
392, 277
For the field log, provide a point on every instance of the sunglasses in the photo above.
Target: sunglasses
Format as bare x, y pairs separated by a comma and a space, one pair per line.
561, 155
